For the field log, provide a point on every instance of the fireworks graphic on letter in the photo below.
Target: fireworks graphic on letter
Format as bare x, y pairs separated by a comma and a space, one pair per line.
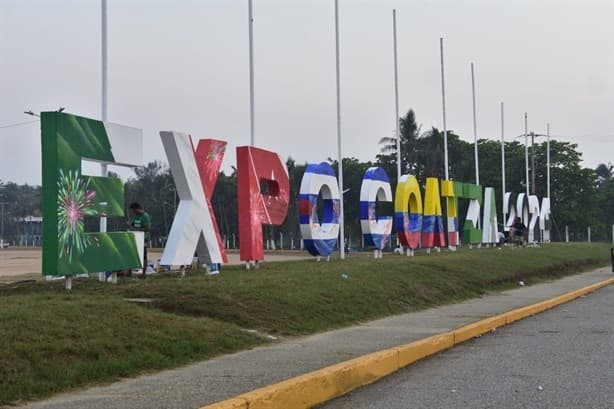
75, 202
217, 149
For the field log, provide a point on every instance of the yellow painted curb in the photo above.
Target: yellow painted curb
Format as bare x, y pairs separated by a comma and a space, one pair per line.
422, 348
319, 386
232, 403
480, 327
305, 391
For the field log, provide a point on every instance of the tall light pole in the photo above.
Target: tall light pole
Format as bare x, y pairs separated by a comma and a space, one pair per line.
526, 152
339, 151
396, 93
503, 163
2, 225
475, 130
443, 105
104, 98
104, 59
252, 106
533, 163
103, 83
548, 159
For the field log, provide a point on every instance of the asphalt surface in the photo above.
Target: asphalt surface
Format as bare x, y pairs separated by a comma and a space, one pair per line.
563, 358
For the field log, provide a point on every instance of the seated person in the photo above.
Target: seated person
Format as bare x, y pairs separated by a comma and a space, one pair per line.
502, 238
517, 231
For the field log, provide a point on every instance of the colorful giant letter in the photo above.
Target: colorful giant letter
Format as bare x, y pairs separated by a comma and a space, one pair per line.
320, 239
209, 154
375, 186
544, 220
432, 220
69, 197
522, 208
510, 209
490, 229
447, 191
472, 234
533, 225
256, 166
194, 227
408, 211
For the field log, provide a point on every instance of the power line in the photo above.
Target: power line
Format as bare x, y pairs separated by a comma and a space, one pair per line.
575, 138
18, 124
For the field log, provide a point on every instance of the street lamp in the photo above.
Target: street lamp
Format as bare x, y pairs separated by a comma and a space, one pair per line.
533, 135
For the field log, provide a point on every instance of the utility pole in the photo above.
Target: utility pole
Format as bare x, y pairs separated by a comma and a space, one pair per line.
533, 169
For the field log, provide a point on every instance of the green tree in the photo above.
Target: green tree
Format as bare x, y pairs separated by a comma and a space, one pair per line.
409, 131
153, 187
19, 201
605, 200
604, 172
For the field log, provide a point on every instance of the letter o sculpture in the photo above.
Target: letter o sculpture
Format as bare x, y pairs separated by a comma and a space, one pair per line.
320, 238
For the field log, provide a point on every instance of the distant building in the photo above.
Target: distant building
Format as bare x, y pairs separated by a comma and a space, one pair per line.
30, 230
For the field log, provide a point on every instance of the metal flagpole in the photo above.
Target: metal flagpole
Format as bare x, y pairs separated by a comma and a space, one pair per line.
103, 15
2, 204
443, 104
340, 157
526, 152
503, 164
475, 130
533, 184
548, 158
103, 106
252, 109
396, 94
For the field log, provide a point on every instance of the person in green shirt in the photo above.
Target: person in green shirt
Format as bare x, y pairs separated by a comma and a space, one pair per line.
141, 222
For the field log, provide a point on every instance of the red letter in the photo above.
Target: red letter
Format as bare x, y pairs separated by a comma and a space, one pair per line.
209, 154
255, 165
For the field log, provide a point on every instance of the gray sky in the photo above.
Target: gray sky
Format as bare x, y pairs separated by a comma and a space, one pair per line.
182, 65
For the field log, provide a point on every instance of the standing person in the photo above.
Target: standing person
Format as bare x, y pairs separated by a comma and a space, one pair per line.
141, 222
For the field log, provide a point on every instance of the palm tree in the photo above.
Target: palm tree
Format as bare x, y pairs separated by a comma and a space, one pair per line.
409, 133
430, 153
604, 172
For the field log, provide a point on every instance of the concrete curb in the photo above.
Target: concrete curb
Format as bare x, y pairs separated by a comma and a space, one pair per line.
319, 386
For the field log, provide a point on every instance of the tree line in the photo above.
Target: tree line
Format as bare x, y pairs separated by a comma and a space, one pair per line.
580, 197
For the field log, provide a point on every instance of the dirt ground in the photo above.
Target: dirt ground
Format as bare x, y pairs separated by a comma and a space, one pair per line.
22, 262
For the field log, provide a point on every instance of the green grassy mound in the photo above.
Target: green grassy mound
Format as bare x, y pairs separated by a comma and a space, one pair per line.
52, 340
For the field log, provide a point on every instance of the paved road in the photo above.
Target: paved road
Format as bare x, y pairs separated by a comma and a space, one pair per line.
563, 358
17, 262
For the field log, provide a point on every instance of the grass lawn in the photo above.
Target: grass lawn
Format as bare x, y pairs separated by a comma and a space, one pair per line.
52, 340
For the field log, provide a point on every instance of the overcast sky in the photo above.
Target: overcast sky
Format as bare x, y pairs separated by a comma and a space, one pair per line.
183, 65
